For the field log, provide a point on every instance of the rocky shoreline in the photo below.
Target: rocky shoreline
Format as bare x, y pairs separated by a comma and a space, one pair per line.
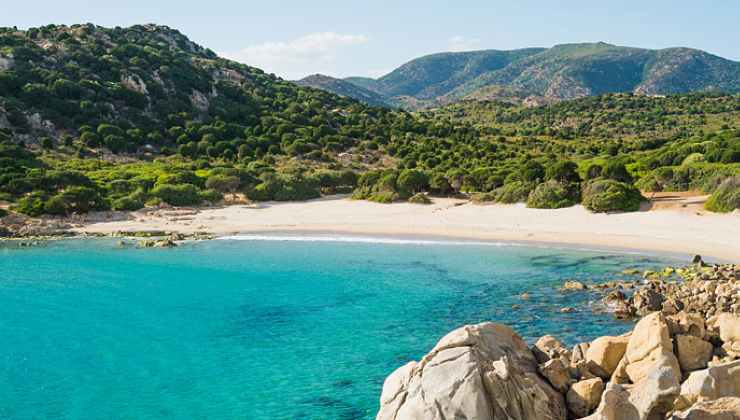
681, 360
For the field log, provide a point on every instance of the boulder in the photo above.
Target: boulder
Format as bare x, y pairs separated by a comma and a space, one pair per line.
579, 352
709, 384
647, 300
549, 347
604, 353
482, 371
727, 408
729, 332
558, 374
693, 353
649, 399
574, 285
687, 324
584, 396
651, 333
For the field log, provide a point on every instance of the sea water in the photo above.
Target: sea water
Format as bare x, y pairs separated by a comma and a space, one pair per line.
264, 327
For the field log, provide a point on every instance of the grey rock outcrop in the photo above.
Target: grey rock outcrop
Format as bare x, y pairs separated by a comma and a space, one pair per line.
483, 371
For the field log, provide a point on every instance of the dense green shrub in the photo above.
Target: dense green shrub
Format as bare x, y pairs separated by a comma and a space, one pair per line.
420, 198
223, 183
606, 195
532, 171
564, 171
726, 197
75, 200
594, 171
127, 203
617, 171
211, 196
439, 184
411, 181
177, 194
513, 192
385, 197
552, 194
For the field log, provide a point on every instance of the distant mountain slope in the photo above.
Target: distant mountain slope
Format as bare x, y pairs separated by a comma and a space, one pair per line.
435, 75
345, 88
576, 70
539, 75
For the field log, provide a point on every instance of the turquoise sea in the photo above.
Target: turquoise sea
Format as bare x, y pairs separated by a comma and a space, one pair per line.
258, 328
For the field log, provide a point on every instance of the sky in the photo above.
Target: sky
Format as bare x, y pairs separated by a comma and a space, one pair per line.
370, 38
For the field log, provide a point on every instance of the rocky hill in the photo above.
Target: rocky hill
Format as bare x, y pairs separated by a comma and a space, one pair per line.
539, 75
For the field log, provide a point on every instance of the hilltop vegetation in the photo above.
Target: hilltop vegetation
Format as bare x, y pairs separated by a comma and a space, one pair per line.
94, 118
545, 75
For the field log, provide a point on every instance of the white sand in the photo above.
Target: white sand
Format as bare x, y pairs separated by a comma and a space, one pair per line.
681, 231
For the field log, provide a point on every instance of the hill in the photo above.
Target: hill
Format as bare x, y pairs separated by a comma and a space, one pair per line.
539, 75
345, 88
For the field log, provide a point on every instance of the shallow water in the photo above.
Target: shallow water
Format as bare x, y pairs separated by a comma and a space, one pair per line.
262, 329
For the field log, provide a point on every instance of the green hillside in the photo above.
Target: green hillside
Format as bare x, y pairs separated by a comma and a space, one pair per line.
94, 118
347, 89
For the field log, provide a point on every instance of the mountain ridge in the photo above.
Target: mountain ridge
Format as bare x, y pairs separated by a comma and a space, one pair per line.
544, 75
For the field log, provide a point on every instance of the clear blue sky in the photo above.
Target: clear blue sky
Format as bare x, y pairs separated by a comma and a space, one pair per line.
344, 37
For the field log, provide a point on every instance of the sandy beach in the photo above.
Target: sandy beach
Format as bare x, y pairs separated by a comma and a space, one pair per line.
679, 229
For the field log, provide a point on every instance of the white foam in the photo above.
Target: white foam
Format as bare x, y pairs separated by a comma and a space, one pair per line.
277, 237
358, 239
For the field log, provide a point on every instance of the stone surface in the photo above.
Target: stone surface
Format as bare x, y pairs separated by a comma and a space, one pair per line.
727, 408
709, 384
650, 399
558, 374
584, 396
729, 332
693, 353
687, 324
482, 371
548, 347
604, 353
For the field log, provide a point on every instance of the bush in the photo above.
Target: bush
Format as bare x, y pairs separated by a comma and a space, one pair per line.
223, 183
617, 171
32, 204
177, 194
420, 198
128, 203
564, 171
604, 195
551, 195
594, 171
726, 197
513, 192
440, 184
75, 200
411, 181
385, 197
211, 196
532, 171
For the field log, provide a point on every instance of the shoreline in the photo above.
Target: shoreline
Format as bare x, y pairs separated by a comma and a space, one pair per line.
679, 232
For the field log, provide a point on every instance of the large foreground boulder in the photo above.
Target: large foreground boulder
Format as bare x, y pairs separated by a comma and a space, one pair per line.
480, 372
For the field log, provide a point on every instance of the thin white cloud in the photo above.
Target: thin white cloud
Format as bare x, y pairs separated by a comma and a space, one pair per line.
312, 53
462, 43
